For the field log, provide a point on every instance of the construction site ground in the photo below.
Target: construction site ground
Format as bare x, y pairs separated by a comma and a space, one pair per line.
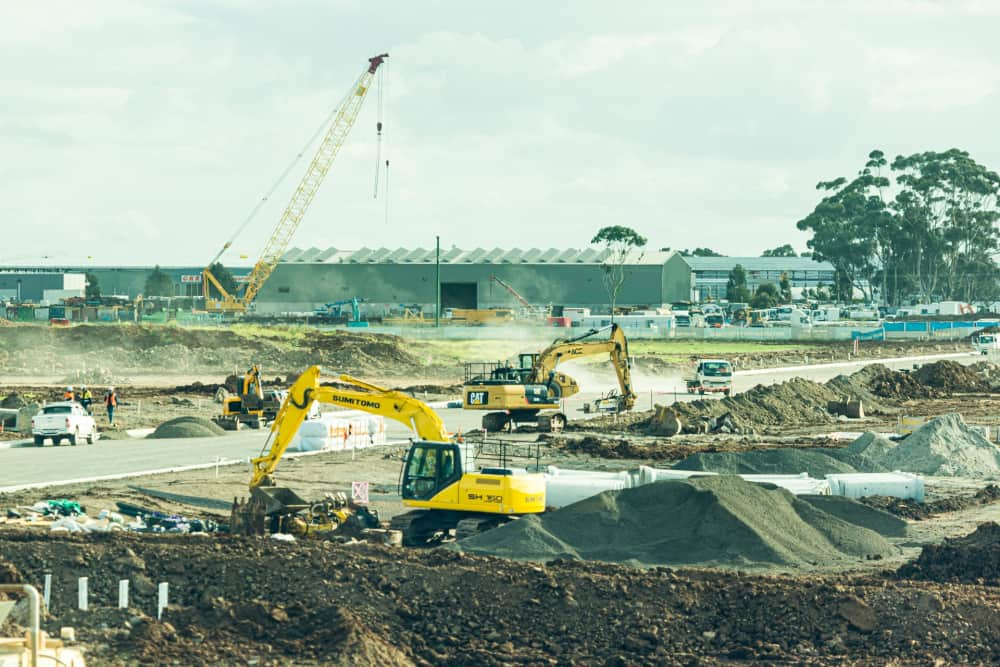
323, 602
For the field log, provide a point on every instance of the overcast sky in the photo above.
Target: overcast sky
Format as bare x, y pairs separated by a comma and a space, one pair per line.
144, 132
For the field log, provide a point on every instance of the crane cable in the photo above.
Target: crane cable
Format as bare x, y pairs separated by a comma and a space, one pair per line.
378, 130
284, 174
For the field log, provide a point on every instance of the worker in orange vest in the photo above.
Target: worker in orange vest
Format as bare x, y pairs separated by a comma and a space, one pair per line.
111, 401
68, 395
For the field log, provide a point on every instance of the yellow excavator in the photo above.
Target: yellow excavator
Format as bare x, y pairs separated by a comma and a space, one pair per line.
439, 479
251, 406
532, 391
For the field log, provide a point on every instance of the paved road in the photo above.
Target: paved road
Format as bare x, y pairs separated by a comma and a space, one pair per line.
21, 466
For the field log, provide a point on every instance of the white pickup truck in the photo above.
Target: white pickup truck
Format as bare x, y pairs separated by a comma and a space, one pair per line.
64, 420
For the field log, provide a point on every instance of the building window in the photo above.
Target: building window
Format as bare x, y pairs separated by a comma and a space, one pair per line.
284, 290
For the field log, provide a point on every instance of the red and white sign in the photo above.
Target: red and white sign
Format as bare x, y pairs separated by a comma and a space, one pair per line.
359, 492
196, 278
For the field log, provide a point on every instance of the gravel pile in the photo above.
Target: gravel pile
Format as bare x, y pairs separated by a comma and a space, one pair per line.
187, 427
720, 521
945, 446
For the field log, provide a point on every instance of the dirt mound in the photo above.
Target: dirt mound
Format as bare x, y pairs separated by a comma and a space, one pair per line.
972, 558
721, 520
13, 402
445, 608
911, 509
945, 446
142, 347
187, 427
884, 382
951, 376
860, 514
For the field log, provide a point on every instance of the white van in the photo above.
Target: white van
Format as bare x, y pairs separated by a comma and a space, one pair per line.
986, 343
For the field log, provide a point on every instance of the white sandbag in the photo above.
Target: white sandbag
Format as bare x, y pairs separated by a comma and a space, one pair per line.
340, 430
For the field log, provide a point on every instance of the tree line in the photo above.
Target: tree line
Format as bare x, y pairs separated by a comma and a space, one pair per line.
923, 225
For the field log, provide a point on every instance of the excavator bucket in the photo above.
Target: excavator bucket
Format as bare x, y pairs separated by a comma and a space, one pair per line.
278, 500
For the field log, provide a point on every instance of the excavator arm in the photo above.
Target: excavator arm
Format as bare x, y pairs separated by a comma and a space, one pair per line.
543, 371
426, 424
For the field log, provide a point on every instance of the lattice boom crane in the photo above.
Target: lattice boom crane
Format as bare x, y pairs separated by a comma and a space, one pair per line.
346, 114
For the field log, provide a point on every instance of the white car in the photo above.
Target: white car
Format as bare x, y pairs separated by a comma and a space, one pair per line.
64, 420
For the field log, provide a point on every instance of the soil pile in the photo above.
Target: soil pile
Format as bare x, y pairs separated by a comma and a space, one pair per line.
12, 402
176, 349
445, 608
187, 427
974, 558
945, 446
911, 509
880, 381
951, 376
723, 521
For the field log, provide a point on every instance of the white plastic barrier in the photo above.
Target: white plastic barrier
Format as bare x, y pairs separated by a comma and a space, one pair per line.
796, 484
648, 475
895, 484
348, 429
568, 489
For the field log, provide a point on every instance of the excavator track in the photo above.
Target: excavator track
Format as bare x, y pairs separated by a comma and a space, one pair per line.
419, 528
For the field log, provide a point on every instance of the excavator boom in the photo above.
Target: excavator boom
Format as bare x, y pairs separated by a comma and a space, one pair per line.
412, 412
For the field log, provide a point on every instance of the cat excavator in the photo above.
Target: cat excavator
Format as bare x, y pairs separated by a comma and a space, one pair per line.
532, 391
439, 479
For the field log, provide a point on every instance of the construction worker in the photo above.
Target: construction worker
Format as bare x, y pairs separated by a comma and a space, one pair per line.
86, 398
68, 395
111, 402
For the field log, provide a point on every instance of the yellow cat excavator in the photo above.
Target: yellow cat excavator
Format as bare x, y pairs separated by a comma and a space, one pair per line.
439, 480
531, 391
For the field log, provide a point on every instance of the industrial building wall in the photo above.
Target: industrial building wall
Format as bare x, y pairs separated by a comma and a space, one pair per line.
302, 287
30, 286
678, 280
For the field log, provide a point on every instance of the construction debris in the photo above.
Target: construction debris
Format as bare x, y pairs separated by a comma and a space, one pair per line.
974, 558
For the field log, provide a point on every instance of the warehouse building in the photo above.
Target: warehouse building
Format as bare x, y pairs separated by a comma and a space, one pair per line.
705, 278
40, 285
388, 279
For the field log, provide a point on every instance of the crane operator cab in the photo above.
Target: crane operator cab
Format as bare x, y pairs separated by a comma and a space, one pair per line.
430, 467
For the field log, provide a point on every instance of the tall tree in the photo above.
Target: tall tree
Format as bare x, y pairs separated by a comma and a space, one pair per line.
619, 242
786, 287
766, 296
948, 207
781, 251
158, 283
93, 289
736, 286
701, 252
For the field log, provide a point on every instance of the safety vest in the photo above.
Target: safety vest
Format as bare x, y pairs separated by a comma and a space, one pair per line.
67, 396
112, 400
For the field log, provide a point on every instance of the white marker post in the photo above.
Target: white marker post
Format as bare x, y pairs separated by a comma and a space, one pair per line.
123, 594
161, 601
47, 591
81, 594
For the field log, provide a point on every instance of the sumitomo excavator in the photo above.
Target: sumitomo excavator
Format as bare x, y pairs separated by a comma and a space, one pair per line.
440, 482
532, 391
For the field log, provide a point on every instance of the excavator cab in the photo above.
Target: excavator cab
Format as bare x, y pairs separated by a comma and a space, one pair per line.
430, 467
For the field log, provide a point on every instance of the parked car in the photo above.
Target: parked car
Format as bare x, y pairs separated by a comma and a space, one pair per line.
64, 420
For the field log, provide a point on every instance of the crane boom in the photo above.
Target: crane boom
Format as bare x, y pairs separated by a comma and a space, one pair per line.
277, 244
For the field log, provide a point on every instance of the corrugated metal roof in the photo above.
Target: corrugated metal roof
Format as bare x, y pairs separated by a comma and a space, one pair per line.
757, 263
459, 256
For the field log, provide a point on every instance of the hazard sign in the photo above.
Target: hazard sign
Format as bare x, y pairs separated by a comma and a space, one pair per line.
359, 492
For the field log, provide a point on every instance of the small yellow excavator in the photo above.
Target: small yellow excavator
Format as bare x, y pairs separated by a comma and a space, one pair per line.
439, 480
252, 406
531, 391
